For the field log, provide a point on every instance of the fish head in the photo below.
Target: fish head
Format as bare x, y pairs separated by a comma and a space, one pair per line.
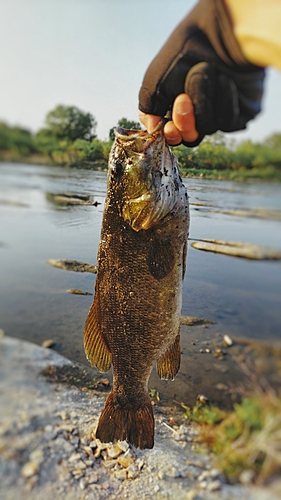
144, 177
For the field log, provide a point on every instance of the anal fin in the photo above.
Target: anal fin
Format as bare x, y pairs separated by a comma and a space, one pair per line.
95, 348
169, 363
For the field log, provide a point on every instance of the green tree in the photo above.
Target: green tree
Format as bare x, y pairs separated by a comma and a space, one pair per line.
17, 140
124, 123
273, 141
70, 123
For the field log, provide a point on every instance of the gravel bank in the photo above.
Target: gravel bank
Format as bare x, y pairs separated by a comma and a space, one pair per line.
48, 449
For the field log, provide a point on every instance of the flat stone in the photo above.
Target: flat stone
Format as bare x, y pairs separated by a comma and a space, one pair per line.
29, 469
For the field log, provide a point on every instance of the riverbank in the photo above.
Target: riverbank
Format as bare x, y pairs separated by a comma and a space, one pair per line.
48, 448
268, 173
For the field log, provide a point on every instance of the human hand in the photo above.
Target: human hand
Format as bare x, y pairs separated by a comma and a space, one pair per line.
201, 59
182, 126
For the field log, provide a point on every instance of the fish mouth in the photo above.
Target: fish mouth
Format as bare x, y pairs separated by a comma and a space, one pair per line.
152, 184
141, 139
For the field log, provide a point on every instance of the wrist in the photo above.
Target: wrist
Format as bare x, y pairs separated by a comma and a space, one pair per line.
256, 26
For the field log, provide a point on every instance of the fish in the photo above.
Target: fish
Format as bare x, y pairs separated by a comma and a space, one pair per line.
134, 320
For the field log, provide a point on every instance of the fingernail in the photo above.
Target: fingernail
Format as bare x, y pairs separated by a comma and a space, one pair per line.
152, 123
183, 108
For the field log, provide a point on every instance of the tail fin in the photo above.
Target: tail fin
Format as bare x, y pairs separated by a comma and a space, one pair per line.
133, 424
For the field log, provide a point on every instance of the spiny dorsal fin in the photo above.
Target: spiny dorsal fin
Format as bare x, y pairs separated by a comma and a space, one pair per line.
95, 348
169, 363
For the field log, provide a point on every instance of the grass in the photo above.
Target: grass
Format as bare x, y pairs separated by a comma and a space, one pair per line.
247, 438
269, 173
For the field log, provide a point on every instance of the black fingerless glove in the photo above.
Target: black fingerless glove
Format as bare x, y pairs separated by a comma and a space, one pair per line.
203, 59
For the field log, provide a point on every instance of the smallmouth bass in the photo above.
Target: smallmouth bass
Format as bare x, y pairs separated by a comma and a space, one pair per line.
134, 320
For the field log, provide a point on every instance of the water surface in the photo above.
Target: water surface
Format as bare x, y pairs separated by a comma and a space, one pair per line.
240, 296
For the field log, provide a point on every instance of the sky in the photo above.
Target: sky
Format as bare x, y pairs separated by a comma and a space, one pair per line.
93, 54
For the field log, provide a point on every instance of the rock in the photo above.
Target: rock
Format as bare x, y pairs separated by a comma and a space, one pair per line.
88, 450
174, 472
201, 398
76, 291
93, 444
140, 464
74, 440
191, 321
83, 483
73, 265
121, 474
77, 473
48, 343
123, 445
74, 457
191, 495
93, 478
247, 476
30, 469
237, 249
214, 472
37, 456
133, 471
114, 451
64, 415
227, 340
125, 461
109, 464
80, 465
161, 475
203, 476
214, 485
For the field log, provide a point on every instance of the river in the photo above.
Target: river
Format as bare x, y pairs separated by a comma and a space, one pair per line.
241, 297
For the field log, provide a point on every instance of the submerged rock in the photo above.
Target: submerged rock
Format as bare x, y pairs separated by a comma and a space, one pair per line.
75, 291
68, 199
192, 320
73, 265
237, 249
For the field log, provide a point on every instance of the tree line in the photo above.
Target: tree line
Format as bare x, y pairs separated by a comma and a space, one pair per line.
69, 138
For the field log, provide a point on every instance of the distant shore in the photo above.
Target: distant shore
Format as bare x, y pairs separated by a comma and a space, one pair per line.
255, 174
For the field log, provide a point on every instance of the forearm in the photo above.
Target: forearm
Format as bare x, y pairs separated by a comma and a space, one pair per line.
257, 28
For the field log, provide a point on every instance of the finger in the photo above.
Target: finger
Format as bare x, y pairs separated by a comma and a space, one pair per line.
172, 134
184, 118
149, 121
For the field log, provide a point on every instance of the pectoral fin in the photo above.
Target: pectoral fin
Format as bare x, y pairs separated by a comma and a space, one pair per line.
160, 258
95, 348
169, 363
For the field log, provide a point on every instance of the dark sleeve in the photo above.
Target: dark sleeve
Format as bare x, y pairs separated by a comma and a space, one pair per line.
203, 58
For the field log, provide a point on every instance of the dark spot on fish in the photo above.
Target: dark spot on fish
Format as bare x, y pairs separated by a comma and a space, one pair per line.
118, 169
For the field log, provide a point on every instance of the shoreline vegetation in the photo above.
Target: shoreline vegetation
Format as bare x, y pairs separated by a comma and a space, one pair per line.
69, 140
